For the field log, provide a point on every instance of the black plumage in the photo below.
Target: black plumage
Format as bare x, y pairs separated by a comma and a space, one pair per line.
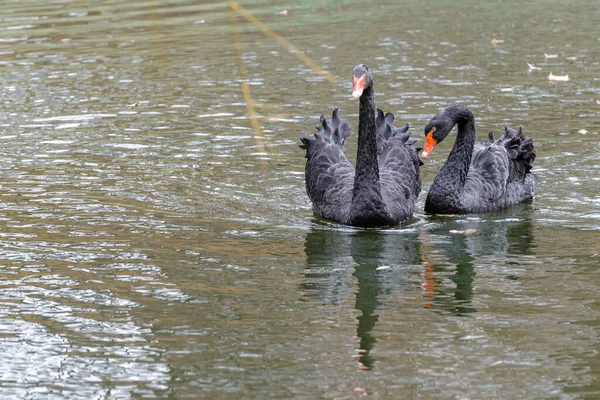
382, 189
478, 176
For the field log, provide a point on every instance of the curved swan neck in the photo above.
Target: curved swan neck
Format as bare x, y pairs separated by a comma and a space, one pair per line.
459, 159
445, 194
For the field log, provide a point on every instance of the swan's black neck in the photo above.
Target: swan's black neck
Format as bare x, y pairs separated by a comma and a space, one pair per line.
367, 202
460, 156
367, 169
450, 182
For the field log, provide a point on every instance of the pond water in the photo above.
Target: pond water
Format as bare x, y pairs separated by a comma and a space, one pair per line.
155, 242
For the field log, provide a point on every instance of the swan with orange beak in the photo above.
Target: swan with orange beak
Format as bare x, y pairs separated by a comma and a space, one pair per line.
430, 143
436, 131
478, 176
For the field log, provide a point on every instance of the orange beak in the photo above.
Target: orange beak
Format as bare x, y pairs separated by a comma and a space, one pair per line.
358, 85
429, 144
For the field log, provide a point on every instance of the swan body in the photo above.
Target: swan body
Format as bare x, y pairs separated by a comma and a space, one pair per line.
382, 189
478, 176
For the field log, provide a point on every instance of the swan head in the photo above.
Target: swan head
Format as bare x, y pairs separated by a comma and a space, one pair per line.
436, 130
361, 79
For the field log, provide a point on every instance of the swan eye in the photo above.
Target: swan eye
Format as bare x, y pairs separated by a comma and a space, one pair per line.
433, 130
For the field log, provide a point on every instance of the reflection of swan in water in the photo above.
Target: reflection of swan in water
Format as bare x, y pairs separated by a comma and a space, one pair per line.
458, 298
378, 260
502, 233
384, 262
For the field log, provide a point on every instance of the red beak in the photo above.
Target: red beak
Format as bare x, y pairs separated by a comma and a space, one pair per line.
429, 144
358, 85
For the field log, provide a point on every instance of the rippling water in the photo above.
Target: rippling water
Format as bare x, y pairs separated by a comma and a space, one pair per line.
153, 244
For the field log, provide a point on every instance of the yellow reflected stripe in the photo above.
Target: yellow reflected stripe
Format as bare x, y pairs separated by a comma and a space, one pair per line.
261, 143
290, 47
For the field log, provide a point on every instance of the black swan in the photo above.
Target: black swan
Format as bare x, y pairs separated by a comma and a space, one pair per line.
383, 188
478, 176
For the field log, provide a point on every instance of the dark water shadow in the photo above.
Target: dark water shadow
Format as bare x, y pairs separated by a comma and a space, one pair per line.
453, 245
379, 262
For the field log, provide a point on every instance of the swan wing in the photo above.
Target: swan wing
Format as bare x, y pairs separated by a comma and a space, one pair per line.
488, 176
521, 153
329, 174
500, 173
399, 179
399, 166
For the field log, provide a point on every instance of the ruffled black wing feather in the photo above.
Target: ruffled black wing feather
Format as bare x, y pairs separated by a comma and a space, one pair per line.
399, 166
329, 175
500, 172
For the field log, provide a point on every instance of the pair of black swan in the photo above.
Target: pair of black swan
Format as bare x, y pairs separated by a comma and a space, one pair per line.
383, 189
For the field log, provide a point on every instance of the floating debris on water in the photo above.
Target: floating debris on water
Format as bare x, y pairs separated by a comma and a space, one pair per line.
547, 56
465, 232
507, 89
573, 58
561, 78
533, 67
583, 131
496, 41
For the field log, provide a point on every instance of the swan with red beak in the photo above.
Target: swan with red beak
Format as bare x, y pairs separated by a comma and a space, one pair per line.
381, 190
359, 75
